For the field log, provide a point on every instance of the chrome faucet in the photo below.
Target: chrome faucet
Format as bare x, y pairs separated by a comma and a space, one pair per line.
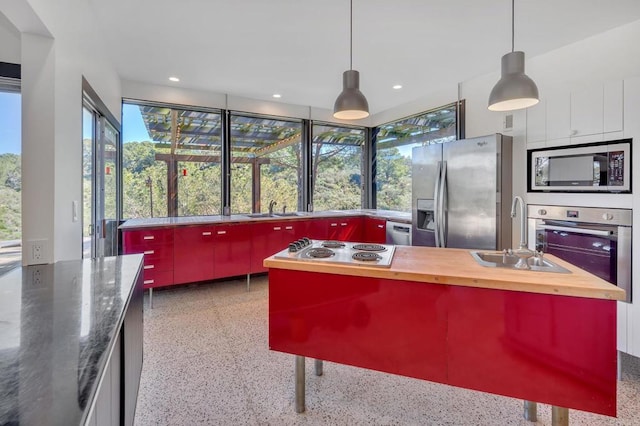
523, 251
272, 203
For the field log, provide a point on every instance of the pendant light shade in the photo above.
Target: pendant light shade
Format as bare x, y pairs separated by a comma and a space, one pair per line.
351, 103
514, 90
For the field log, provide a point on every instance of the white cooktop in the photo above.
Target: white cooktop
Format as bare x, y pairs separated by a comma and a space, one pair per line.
382, 254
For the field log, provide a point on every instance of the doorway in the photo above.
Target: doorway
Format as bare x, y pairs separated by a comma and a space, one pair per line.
100, 184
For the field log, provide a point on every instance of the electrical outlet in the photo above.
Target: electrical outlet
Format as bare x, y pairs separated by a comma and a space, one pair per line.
36, 275
36, 251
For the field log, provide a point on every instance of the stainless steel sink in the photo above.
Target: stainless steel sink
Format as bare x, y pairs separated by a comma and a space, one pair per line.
255, 215
288, 214
496, 259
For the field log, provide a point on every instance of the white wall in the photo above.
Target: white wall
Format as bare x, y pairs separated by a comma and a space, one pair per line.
59, 47
10, 45
184, 96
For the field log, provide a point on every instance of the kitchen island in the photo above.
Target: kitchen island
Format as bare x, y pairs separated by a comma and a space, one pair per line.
71, 342
437, 315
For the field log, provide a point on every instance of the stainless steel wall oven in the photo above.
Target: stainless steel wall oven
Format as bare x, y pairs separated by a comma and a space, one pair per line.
597, 240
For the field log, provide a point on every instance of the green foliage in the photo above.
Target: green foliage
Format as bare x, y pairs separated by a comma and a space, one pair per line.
393, 180
10, 198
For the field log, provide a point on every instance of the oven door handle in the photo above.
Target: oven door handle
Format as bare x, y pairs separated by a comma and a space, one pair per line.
597, 232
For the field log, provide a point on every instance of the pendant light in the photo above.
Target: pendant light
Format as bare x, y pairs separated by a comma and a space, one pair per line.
514, 90
351, 103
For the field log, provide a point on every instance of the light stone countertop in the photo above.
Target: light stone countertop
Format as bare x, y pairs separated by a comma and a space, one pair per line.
158, 222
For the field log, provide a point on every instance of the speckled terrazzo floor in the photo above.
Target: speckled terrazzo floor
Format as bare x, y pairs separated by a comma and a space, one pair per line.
207, 362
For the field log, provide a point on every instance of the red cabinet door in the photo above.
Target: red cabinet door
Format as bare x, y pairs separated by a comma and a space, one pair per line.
345, 229
157, 247
232, 250
318, 229
375, 230
350, 229
267, 238
193, 253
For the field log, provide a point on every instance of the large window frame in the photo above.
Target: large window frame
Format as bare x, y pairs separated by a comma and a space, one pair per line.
368, 177
396, 139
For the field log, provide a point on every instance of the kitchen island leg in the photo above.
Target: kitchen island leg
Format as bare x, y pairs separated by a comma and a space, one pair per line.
318, 364
300, 384
531, 411
559, 416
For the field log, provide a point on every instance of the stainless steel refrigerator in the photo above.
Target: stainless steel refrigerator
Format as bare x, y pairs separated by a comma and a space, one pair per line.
462, 193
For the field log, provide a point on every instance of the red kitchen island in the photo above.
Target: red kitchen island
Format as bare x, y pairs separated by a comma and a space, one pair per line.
437, 315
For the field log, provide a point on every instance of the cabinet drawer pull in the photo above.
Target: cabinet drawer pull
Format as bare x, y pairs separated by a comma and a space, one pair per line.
380, 226
148, 281
333, 224
149, 237
343, 224
288, 227
149, 266
206, 233
149, 251
222, 232
277, 228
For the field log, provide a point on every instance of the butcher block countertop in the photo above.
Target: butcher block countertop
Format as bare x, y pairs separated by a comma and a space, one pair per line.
458, 267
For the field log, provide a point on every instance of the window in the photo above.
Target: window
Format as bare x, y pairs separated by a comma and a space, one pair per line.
337, 167
10, 175
394, 143
171, 161
265, 163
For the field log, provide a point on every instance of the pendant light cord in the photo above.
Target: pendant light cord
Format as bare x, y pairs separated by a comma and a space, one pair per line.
351, 35
512, 25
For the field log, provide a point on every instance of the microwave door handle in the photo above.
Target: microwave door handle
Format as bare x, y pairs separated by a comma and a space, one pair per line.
443, 205
436, 204
597, 232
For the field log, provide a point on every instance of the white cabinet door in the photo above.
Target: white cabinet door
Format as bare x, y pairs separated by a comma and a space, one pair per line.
559, 115
536, 122
587, 111
613, 106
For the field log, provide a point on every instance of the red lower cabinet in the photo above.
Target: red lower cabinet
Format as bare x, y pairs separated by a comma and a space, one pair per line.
193, 253
232, 250
157, 247
318, 229
345, 229
375, 230
268, 238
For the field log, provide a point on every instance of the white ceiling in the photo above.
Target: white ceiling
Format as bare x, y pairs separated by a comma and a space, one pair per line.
299, 48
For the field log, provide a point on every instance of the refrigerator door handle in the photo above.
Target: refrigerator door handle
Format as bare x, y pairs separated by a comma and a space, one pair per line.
436, 204
443, 204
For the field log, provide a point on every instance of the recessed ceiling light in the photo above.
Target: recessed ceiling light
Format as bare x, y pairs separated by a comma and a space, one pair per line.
277, 95
174, 79
397, 86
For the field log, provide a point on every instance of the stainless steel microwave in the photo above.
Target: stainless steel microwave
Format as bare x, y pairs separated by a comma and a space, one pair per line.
599, 167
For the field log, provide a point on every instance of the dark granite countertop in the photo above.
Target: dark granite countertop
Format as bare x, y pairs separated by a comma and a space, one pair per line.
237, 218
57, 328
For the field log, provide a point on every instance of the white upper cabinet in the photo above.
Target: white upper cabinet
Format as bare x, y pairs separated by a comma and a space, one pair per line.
586, 111
559, 115
579, 116
536, 122
613, 106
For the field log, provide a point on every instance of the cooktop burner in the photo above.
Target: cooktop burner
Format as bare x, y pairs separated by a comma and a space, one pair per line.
319, 252
345, 252
333, 244
366, 256
369, 247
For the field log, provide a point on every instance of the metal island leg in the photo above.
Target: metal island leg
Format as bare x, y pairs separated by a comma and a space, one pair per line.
559, 416
531, 411
300, 384
318, 364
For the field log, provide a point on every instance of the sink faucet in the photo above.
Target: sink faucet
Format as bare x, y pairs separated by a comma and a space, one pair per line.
271, 204
523, 251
